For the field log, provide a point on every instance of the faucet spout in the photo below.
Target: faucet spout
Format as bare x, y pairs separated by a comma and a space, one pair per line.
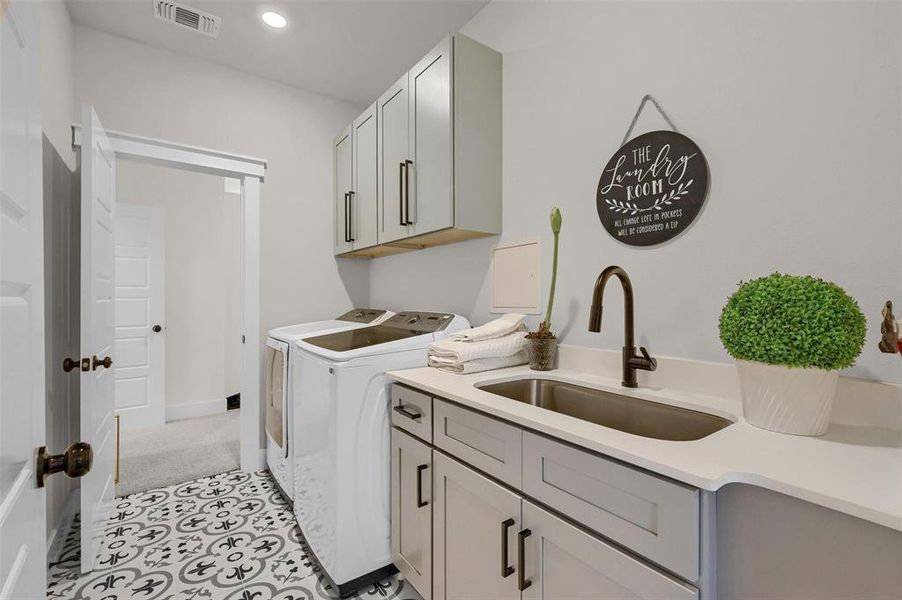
631, 360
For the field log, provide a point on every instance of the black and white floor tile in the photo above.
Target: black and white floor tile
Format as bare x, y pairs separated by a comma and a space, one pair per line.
227, 537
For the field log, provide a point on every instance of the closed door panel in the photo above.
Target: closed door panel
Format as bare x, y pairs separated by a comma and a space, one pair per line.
363, 199
393, 138
432, 142
564, 562
411, 510
140, 297
341, 161
475, 525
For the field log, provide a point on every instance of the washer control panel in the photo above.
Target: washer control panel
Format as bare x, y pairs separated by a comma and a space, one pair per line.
362, 315
421, 322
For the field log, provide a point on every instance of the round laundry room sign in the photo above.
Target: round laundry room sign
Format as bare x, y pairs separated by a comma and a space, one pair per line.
652, 188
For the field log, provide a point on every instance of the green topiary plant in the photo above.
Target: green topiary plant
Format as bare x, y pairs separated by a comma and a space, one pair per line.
794, 321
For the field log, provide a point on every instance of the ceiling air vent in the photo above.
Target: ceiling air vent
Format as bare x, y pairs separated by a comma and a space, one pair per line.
185, 16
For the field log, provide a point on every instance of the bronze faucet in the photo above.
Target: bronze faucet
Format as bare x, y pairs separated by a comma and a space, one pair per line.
631, 360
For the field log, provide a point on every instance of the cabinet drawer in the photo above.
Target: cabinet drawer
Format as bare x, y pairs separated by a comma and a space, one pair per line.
491, 446
412, 411
652, 516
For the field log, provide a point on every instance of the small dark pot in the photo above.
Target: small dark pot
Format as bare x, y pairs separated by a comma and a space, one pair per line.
542, 353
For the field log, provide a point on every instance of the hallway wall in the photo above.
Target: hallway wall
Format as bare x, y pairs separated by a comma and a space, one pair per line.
202, 273
161, 94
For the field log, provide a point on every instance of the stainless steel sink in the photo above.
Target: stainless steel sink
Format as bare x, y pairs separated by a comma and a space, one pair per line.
631, 415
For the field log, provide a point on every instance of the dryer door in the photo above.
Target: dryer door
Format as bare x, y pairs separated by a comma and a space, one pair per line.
275, 368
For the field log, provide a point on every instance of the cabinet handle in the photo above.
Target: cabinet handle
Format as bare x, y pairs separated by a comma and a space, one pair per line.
401, 178
408, 164
505, 568
522, 581
402, 410
346, 217
420, 502
350, 221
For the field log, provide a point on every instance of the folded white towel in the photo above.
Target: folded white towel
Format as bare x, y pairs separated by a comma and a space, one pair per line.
462, 352
478, 365
501, 326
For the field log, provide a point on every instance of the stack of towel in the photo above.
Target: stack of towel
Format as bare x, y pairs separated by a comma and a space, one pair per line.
495, 345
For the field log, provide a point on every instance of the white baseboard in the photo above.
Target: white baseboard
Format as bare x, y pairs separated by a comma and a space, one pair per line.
56, 538
192, 410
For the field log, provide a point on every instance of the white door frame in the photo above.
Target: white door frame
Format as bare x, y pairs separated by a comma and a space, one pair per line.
250, 171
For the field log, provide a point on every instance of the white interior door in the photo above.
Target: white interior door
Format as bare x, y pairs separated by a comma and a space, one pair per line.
98, 198
140, 285
22, 526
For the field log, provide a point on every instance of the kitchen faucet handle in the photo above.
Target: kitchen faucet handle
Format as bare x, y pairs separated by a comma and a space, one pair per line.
650, 363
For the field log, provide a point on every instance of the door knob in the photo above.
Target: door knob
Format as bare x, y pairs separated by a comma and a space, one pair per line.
76, 461
157, 329
106, 363
70, 364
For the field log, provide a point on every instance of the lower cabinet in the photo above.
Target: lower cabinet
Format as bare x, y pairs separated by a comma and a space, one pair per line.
411, 510
460, 534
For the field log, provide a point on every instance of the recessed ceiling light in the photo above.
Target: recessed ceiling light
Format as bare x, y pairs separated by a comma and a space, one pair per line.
274, 19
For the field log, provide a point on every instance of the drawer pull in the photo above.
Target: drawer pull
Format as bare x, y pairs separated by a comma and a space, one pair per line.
505, 568
420, 502
402, 410
522, 581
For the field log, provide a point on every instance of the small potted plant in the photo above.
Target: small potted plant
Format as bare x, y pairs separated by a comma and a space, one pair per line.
790, 336
541, 345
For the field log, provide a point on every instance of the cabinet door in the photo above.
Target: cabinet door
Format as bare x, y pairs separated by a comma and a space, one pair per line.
475, 525
431, 141
393, 155
563, 561
362, 224
341, 164
411, 510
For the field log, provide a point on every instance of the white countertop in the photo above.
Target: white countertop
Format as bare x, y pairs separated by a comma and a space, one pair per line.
854, 469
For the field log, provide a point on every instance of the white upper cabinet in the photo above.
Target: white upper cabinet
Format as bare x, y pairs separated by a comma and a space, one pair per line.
438, 157
362, 202
341, 165
394, 133
430, 204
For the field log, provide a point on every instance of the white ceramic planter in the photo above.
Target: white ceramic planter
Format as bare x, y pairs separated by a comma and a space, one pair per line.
796, 401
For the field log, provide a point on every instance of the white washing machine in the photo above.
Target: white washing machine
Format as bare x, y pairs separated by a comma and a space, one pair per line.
277, 377
341, 440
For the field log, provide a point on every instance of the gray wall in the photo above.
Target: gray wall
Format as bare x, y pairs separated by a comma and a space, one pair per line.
156, 93
797, 108
773, 546
61, 247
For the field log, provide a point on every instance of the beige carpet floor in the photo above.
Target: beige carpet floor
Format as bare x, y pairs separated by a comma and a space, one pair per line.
153, 457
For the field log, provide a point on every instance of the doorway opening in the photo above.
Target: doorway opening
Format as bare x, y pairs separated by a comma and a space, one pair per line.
101, 153
177, 325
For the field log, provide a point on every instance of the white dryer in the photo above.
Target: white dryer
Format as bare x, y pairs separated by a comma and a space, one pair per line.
277, 377
341, 440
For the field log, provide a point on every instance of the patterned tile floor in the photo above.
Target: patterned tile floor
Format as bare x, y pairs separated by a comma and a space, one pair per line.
227, 537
